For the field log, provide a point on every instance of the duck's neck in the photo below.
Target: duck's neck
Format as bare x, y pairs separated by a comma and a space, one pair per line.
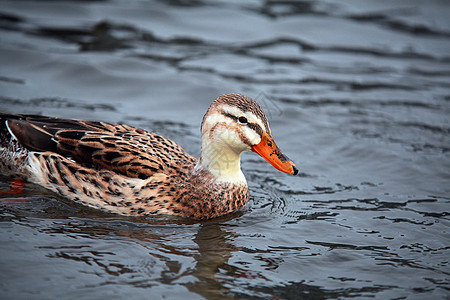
222, 162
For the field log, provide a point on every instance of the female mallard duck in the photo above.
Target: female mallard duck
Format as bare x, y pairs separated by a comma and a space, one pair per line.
129, 171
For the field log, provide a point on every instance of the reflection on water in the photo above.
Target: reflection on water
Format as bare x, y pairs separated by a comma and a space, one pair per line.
214, 250
357, 95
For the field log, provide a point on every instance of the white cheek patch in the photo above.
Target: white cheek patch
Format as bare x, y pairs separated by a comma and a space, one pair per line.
252, 136
229, 138
222, 130
215, 118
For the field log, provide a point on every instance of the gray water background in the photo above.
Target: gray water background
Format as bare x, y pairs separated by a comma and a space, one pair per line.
357, 94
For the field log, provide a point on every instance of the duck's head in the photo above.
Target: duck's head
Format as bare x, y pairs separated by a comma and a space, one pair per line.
235, 123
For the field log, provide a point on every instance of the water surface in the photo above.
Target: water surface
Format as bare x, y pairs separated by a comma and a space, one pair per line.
357, 94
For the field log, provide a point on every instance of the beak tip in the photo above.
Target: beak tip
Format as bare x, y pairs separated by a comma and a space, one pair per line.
295, 169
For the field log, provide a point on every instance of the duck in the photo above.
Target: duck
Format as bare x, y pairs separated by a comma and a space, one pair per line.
128, 171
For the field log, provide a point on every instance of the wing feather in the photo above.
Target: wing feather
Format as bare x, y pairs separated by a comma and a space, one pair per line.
123, 149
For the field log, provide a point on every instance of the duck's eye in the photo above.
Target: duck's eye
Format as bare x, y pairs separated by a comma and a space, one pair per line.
242, 120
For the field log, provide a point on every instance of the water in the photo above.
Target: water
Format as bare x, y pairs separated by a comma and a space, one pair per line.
357, 94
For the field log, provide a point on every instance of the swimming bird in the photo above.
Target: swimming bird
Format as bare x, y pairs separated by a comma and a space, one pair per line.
128, 171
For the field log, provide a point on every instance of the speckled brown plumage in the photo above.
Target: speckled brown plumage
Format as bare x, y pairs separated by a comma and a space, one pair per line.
119, 168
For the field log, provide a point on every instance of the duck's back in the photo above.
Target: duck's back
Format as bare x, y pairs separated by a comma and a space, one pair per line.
122, 149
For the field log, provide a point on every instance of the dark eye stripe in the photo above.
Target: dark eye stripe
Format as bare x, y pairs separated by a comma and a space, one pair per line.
229, 116
253, 126
256, 128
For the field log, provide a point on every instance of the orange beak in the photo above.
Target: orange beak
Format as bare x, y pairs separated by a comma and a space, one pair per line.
270, 152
